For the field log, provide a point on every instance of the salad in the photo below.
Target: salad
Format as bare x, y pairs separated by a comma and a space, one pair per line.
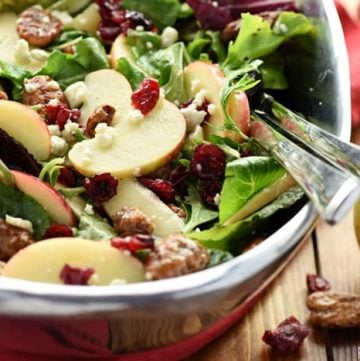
125, 135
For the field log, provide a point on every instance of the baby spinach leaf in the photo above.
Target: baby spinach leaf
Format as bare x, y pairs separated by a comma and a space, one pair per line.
133, 75
244, 178
162, 12
15, 203
234, 237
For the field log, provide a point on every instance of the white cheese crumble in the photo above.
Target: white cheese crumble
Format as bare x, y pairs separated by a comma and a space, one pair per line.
19, 222
94, 280
139, 28
169, 36
149, 45
104, 135
89, 209
54, 130
22, 52
76, 94
193, 117
136, 117
200, 97
59, 146
69, 130
39, 55
63, 16
217, 199
211, 109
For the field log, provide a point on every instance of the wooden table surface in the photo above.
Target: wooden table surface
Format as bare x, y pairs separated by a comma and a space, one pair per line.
332, 252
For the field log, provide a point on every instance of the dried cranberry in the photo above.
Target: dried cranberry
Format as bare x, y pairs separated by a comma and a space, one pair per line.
135, 19
209, 190
134, 244
287, 337
178, 177
162, 188
147, 96
108, 33
59, 115
208, 162
67, 177
76, 275
316, 283
58, 230
102, 187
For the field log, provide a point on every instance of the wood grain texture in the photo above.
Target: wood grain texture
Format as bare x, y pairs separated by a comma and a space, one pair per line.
285, 297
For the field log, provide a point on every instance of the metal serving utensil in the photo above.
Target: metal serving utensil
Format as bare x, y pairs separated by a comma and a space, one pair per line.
327, 168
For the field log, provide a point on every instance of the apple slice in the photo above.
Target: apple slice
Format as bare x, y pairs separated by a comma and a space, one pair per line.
8, 36
51, 200
106, 87
27, 127
137, 147
131, 193
200, 76
88, 20
43, 262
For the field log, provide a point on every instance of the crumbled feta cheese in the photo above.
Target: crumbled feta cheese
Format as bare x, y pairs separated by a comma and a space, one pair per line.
104, 135
136, 117
39, 55
149, 45
200, 97
54, 130
217, 199
169, 36
19, 222
139, 28
211, 109
22, 52
63, 16
58, 146
193, 117
69, 130
53, 102
89, 209
76, 94
94, 280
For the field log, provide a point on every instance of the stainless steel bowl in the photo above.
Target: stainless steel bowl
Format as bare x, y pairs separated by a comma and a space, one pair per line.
178, 308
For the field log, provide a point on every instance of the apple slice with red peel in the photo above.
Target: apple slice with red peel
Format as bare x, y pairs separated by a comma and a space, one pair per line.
131, 193
51, 200
106, 87
138, 146
203, 76
43, 262
26, 126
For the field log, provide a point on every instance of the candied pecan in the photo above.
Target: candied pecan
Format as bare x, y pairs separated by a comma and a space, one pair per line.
3, 95
40, 90
130, 221
330, 309
38, 27
177, 210
12, 240
174, 256
102, 114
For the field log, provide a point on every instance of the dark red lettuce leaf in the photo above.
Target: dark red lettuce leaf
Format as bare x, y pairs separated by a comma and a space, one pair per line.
215, 15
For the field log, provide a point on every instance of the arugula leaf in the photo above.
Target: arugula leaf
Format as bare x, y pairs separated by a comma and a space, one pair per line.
256, 38
94, 227
162, 12
234, 237
218, 256
68, 68
198, 214
131, 73
244, 178
16, 75
17, 204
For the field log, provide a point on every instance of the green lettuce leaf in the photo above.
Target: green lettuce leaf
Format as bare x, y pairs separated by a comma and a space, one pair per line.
130, 72
162, 12
234, 237
17, 204
68, 68
244, 178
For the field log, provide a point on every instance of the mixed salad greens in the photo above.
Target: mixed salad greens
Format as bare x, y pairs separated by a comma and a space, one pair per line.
125, 135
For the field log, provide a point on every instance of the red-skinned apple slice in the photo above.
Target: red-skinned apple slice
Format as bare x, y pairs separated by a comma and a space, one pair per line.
131, 193
106, 87
138, 147
200, 76
27, 127
48, 197
43, 262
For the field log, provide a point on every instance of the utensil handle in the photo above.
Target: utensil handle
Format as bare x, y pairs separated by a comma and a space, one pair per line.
333, 191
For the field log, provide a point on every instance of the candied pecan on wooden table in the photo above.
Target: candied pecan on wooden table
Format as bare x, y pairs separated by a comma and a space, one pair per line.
12, 240
175, 256
331, 309
102, 114
38, 27
130, 221
41, 89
